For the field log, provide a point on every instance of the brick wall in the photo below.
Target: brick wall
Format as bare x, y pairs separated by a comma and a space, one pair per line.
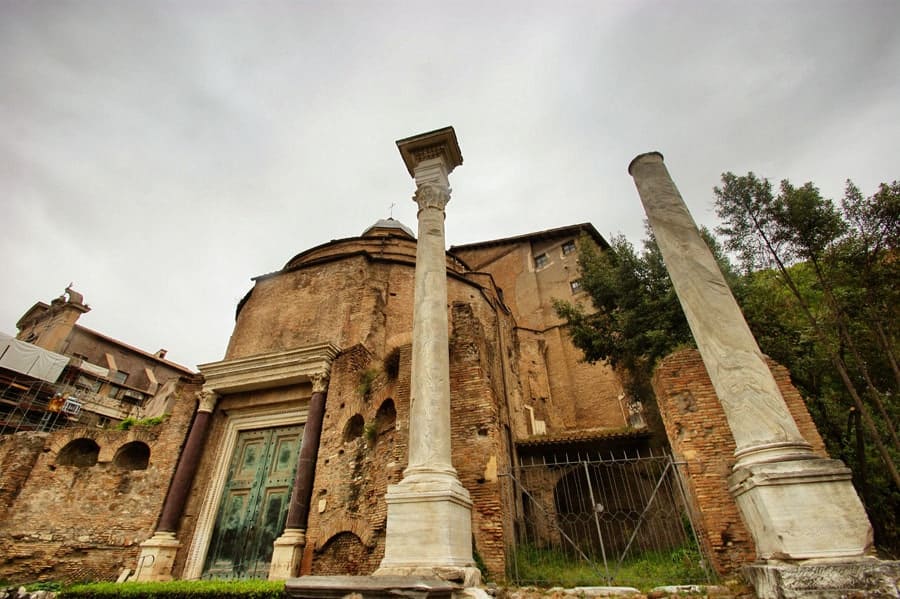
73, 523
699, 434
18, 454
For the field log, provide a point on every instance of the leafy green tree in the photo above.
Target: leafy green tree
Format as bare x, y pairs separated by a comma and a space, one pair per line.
635, 318
800, 225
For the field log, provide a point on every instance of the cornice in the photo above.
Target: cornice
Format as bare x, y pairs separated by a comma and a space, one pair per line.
269, 370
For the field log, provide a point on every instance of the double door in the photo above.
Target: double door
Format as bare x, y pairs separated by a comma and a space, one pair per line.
254, 503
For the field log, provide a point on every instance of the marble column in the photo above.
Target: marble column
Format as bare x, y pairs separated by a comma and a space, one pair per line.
796, 505
429, 522
158, 552
288, 549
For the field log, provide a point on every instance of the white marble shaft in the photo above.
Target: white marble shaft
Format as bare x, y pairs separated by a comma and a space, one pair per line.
429, 420
760, 422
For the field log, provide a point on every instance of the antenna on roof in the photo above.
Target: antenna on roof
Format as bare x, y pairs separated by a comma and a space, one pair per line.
391, 210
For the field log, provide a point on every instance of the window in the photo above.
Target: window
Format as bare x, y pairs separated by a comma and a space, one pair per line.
568, 247
86, 382
119, 376
541, 260
575, 285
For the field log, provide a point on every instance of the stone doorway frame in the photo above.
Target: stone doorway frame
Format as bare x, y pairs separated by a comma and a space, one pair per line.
270, 416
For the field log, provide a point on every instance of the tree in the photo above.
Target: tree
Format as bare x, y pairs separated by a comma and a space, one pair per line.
799, 224
635, 318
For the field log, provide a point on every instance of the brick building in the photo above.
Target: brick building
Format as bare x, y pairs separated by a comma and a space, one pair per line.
105, 380
77, 493
335, 323
344, 310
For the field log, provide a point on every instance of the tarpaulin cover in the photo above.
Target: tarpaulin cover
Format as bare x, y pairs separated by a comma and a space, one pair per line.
30, 359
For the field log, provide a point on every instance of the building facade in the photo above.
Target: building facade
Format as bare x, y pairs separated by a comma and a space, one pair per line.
342, 313
79, 488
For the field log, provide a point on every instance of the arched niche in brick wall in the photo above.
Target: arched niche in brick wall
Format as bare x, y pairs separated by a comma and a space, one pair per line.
386, 416
133, 456
345, 553
354, 428
81, 452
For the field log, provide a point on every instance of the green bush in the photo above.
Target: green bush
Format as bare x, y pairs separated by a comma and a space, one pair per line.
130, 422
178, 589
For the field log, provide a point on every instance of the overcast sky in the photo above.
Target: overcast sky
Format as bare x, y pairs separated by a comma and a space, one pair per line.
160, 154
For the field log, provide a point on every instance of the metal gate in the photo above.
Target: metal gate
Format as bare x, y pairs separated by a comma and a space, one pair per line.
591, 519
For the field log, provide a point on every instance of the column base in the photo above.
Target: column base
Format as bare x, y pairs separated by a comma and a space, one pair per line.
287, 554
866, 577
801, 509
429, 531
157, 557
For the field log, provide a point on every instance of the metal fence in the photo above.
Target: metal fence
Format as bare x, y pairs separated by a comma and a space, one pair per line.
602, 519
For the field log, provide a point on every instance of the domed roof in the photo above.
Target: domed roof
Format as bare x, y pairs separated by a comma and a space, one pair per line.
391, 225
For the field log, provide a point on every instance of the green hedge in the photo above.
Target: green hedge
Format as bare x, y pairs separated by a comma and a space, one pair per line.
178, 589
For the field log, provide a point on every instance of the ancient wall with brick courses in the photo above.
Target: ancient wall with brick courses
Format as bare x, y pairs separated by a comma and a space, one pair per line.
698, 433
18, 454
479, 414
354, 467
353, 473
71, 522
512, 268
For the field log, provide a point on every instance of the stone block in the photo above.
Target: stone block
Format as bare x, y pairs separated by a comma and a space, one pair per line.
867, 577
802, 509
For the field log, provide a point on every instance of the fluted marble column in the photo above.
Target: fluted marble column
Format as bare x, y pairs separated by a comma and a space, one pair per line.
797, 506
429, 523
288, 548
158, 552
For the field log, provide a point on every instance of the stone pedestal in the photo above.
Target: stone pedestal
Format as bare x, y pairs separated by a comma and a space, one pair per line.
801, 510
287, 554
430, 532
157, 557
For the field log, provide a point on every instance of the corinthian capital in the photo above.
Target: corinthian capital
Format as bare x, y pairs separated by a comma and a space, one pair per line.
319, 382
430, 195
207, 399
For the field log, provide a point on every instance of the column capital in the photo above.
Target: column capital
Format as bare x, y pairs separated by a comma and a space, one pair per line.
207, 400
319, 381
430, 195
440, 144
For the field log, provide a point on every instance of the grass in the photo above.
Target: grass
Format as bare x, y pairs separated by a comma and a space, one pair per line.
187, 589
549, 567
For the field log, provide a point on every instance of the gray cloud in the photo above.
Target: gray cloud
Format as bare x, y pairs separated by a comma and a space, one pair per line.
160, 154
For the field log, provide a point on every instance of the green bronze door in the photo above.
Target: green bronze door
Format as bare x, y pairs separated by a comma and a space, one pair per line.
254, 503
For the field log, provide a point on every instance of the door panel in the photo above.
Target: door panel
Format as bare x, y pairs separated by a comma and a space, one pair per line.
254, 503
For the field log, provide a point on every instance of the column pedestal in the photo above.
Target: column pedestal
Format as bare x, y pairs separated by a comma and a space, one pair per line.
801, 510
287, 554
157, 557
430, 532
